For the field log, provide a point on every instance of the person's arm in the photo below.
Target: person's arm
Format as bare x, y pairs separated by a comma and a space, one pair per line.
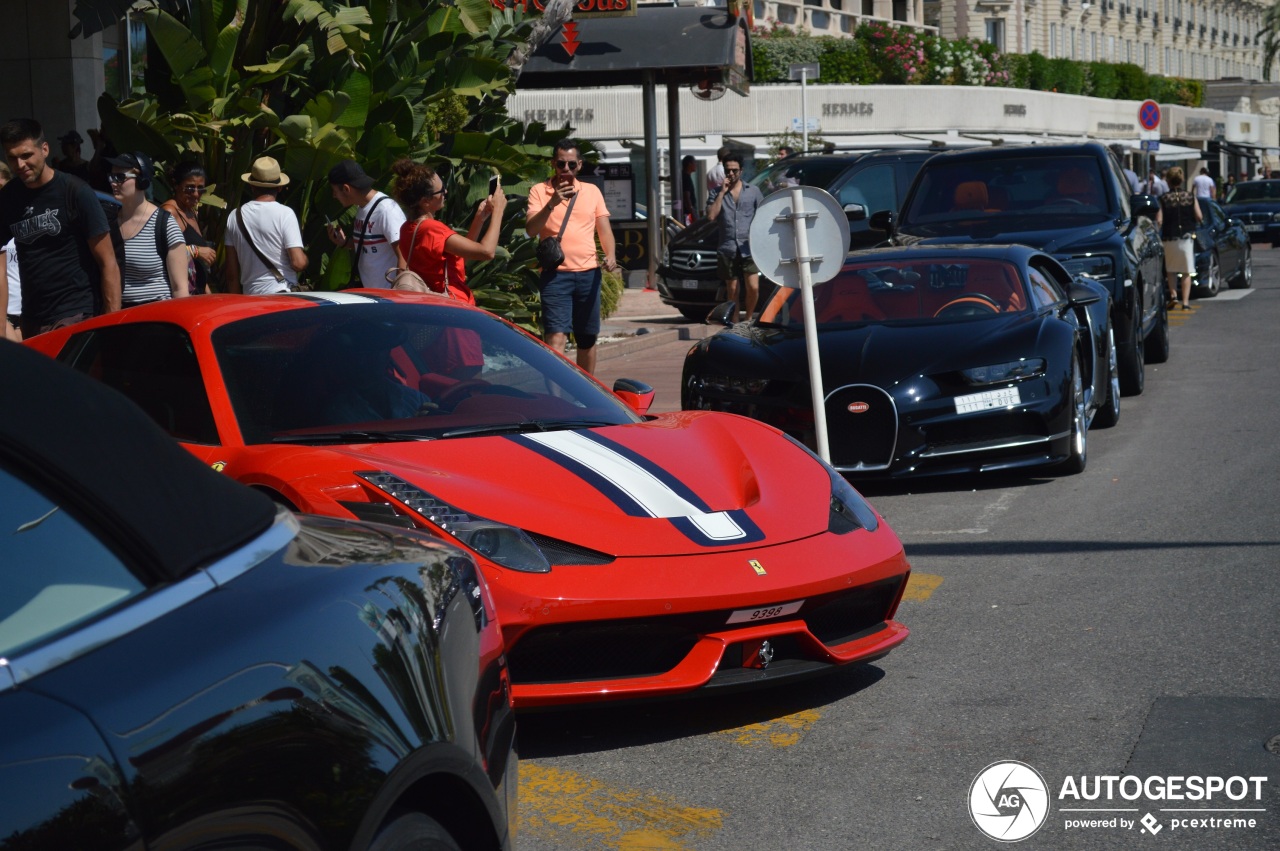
293, 239
713, 212
104, 254
231, 271
1196, 204
175, 263
538, 220
607, 244
467, 247
297, 259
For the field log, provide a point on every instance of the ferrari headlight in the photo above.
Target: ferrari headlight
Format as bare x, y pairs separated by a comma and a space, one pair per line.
730, 384
1097, 266
848, 510
1011, 371
498, 542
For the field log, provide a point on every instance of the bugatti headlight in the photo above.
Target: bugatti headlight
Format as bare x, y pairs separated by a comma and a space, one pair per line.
1010, 371
1275, 217
848, 510
730, 384
505, 545
1098, 266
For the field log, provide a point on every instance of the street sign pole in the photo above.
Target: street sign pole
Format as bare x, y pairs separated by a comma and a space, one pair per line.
804, 109
798, 218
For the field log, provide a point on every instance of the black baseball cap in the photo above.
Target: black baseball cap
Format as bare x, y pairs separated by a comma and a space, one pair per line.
136, 161
350, 173
71, 138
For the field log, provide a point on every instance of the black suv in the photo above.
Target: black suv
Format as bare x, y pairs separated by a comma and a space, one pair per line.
1071, 201
863, 183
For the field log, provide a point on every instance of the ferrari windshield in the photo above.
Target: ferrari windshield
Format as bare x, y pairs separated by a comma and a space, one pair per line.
942, 289
1255, 190
976, 196
372, 373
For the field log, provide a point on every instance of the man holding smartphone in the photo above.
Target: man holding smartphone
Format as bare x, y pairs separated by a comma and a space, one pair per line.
571, 292
734, 209
375, 233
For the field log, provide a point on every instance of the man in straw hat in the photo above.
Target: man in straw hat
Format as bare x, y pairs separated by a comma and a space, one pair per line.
264, 241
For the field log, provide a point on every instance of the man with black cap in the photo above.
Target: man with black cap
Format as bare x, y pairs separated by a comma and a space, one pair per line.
65, 254
375, 233
264, 241
71, 162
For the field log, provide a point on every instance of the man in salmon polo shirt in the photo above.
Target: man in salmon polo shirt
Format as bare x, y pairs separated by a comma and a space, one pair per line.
571, 292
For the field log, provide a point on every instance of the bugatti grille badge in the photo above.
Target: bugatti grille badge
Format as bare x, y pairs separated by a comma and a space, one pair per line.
765, 655
858, 407
757, 567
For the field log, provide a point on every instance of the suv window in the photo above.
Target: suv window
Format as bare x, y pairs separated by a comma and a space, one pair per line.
805, 172
55, 573
153, 364
1056, 191
872, 188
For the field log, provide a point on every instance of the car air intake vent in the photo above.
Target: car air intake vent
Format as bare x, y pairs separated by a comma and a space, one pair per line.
378, 512
563, 552
862, 427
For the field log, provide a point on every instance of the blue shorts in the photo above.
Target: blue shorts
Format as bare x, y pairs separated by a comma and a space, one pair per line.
571, 303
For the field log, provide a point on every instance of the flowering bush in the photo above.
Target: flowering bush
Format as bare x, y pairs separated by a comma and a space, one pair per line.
902, 55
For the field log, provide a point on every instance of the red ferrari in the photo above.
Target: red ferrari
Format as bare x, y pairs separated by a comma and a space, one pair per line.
629, 555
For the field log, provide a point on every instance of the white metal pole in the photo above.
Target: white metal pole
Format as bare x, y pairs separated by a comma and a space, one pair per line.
804, 114
799, 220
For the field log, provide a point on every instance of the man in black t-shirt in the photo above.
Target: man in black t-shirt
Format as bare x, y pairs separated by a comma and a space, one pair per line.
67, 263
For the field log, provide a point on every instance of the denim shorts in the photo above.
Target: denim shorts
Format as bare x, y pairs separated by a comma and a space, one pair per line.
571, 302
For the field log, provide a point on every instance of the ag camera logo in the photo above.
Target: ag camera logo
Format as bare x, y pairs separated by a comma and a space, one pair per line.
1008, 801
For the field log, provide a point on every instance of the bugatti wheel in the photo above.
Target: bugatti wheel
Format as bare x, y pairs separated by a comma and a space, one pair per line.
1079, 446
1133, 374
414, 832
1109, 412
1244, 279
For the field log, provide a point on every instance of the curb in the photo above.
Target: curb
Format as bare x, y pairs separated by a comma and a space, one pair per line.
648, 338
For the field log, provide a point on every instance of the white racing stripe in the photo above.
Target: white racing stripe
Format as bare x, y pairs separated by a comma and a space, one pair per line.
644, 488
336, 297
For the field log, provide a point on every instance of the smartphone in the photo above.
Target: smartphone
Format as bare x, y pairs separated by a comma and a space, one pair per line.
493, 184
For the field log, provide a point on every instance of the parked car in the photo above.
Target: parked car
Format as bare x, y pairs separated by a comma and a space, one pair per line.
183, 664
1223, 252
1256, 203
935, 359
863, 183
618, 568
1071, 201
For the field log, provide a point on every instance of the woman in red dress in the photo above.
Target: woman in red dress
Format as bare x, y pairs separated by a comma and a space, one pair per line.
430, 247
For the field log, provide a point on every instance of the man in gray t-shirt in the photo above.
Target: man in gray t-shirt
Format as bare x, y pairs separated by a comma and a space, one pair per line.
733, 209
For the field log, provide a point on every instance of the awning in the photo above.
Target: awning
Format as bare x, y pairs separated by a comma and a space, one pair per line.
1166, 152
684, 45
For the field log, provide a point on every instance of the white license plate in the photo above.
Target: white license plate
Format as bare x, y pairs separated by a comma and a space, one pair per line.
1254, 228
975, 402
687, 284
765, 613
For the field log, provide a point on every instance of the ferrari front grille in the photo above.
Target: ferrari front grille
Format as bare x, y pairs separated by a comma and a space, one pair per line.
862, 427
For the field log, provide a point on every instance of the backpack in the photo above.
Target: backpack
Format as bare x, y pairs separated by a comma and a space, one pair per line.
162, 248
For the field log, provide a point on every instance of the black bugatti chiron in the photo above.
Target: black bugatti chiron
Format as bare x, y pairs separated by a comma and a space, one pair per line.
935, 359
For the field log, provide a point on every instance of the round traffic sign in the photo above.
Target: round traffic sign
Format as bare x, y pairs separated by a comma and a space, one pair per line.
1149, 115
773, 236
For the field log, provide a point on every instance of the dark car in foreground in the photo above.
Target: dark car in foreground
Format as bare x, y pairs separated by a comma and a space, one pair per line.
185, 665
1256, 203
1224, 255
935, 359
863, 183
1071, 201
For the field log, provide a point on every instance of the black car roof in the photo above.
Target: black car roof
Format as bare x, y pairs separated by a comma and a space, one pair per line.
997, 152
858, 156
91, 450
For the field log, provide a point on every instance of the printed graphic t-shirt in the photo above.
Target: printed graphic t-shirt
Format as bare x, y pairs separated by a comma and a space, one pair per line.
381, 232
59, 275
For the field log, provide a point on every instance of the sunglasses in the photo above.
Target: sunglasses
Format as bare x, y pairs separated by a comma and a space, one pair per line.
118, 179
572, 165
433, 194
194, 190
733, 171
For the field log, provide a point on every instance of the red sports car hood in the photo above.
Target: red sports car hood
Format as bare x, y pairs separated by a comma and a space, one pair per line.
681, 483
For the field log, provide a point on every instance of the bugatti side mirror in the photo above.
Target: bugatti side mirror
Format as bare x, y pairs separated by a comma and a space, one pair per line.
725, 313
637, 394
885, 220
1079, 295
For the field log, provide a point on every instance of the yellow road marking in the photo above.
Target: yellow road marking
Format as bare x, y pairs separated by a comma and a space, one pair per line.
920, 586
779, 733
571, 809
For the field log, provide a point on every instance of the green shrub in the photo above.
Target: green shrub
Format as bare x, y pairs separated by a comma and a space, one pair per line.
1103, 80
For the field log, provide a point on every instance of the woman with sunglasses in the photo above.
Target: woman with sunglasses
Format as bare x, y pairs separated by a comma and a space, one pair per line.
430, 247
188, 181
155, 265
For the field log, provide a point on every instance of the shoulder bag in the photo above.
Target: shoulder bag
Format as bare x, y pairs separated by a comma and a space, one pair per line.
550, 254
355, 267
410, 281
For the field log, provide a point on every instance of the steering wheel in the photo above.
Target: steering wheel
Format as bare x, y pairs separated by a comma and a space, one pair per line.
457, 392
1058, 202
969, 304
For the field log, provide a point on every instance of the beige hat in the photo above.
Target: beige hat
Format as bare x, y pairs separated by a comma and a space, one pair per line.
266, 172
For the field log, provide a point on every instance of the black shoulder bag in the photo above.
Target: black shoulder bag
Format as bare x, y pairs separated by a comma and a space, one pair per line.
355, 267
550, 254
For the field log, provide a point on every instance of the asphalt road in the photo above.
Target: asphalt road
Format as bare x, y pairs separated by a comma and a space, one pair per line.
1118, 622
